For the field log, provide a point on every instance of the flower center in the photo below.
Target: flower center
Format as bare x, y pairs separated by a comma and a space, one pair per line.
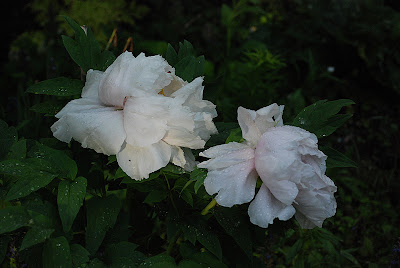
162, 92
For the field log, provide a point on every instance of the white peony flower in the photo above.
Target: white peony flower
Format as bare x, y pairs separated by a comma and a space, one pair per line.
288, 162
139, 110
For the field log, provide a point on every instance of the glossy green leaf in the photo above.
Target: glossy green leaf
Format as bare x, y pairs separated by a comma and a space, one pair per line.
30, 179
321, 117
49, 108
65, 166
60, 86
70, 199
12, 218
235, 136
79, 255
189, 264
337, 159
198, 175
56, 253
233, 222
155, 196
171, 56
85, 50
101, 216
35, 236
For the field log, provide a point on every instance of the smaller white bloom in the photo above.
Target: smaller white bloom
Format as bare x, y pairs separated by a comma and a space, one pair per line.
140, 111
331, 69
288, 162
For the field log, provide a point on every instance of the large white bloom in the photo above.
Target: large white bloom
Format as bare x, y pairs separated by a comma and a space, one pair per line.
287, 160
139, 110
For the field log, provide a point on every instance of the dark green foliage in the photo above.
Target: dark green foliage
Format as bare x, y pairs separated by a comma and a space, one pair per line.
259, 52
60, 86
85, 50
187, 65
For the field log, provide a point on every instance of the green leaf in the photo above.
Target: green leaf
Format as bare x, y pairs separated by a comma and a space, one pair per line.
201, 233
159, 261
8, 136
321, 117
101, 216
198, 175
171, 56
185, 49
336, 159
79, 255
49, 108
60, 86
235, 135
35, 236
123, 254
58, 159
12, 218
348, 256
56, 253
18, 150
207, 260
155, 196
85, 50
233, 222
189, 264
30, 179
96, 263
70, 199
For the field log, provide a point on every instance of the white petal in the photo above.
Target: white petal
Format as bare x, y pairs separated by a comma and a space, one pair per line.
235, 184
250, 132
130, 76
93, 125
183, 157
139, 162
316, 201
91, 88
142, 124
265, 208
255, 123
226, 155
175, 85
223, 149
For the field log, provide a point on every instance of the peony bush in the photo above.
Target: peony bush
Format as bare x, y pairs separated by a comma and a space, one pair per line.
142, 173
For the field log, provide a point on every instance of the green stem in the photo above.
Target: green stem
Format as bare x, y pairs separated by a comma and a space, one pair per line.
170, 195
173, 242
208, 207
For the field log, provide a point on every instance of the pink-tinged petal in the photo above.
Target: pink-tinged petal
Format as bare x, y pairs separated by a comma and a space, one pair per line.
139, 162
316, 201
91, 88
93, 125
234, 184
130, 76
265, 208
226, 155
246, 118
225, 149
255, 123
180, 136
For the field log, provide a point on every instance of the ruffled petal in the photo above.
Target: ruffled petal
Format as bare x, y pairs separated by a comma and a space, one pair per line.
139, 162
255, 123
316, 201
265, 208
130, 76
91, 88
93, 125
235, 184
143, 121
231, 173
183, 157
226, 155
